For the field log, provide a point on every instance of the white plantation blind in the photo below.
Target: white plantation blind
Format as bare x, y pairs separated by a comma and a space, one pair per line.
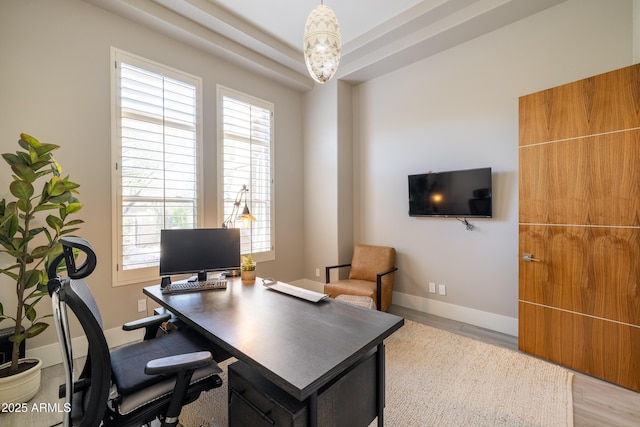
157, 115
246, 146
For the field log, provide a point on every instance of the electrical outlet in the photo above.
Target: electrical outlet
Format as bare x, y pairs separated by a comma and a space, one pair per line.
142, 305
432, 287
317, 272
442, 289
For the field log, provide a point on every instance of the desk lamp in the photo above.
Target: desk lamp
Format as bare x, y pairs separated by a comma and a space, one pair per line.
245, 216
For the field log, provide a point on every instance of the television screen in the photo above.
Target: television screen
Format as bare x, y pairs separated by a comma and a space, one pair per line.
198, 250
463, 193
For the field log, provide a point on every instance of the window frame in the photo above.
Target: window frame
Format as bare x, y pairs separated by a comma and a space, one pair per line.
121, 277
221, 92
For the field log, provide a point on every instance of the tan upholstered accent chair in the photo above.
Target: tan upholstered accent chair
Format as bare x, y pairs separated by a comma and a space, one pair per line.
370, 275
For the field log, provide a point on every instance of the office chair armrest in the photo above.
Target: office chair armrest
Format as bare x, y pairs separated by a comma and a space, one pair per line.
151, 324
327, 271
178, 363
80, 385
156, 320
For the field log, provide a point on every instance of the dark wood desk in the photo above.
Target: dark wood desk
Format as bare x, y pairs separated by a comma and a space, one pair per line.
297, 345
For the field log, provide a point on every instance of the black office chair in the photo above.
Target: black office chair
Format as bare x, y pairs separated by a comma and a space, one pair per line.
134, 384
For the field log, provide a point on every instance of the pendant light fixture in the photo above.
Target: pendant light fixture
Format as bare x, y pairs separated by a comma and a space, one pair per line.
322, 43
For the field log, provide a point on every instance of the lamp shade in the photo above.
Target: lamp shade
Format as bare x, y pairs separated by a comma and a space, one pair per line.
322, 43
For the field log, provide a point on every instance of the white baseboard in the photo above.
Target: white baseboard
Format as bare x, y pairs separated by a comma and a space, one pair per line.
484, 319
51, 354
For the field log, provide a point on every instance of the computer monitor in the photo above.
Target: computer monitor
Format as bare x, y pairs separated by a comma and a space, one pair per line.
199, 250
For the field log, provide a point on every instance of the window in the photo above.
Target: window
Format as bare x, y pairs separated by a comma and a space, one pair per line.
155, 150
245, 145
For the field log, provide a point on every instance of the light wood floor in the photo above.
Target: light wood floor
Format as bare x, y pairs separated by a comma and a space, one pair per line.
595, 403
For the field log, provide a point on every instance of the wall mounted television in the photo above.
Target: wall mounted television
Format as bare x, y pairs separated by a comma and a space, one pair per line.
199, 250
461, 193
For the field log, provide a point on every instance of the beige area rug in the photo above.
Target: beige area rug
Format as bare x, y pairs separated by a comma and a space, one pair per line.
436, 378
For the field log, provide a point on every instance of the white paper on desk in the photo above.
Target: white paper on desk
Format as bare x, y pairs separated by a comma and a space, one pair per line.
295, 291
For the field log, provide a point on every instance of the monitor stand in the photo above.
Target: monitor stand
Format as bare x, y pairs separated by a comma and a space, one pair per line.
202, 276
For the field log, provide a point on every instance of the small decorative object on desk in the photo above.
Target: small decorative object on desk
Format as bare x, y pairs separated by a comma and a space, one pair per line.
248, 268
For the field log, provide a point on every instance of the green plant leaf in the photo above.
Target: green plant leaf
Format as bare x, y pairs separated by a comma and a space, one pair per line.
43, 286
10, 158
24, 205
35, 329
56, 186
56, 169
11, 274
18, 337
27, 141
39, 165
40, 251
24, 172
32, 278
70, 185
46, 206
24, 157
55, 223
14, 253
12, 226
30, 313
68, 231
61, 199
6, 317
73, 207
36, 294
21, 189
45, 149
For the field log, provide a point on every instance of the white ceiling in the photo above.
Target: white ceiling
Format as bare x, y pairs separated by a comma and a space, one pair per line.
285, 19
378, 36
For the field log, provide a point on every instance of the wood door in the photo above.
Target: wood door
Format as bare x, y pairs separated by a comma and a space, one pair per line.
579, 202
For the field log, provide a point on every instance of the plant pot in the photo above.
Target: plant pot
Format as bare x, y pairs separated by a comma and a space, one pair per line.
248, 276
21, 387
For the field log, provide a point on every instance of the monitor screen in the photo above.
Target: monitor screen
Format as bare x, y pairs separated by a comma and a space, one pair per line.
198, 250
463, 193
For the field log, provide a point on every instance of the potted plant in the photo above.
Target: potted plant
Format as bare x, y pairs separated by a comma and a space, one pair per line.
248, 269
30, 225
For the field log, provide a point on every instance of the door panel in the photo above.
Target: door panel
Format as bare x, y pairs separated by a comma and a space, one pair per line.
590, 270
604, 103
590, 181
594, 346
579, 202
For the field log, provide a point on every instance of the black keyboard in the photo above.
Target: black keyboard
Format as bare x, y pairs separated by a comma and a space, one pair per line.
195, 286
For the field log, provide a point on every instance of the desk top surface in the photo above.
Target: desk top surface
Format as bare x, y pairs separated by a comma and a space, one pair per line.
297, 344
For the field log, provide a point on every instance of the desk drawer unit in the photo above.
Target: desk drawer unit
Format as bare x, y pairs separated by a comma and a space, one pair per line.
255, 401
347, 401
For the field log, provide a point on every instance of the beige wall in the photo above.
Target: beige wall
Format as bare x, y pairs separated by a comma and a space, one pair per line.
459, 110
55, 85
320, 178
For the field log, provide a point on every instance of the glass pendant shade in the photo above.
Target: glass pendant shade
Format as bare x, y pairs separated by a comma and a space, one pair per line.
322, 43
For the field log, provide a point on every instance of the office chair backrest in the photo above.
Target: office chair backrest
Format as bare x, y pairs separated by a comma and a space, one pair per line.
91, 391
96, 374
